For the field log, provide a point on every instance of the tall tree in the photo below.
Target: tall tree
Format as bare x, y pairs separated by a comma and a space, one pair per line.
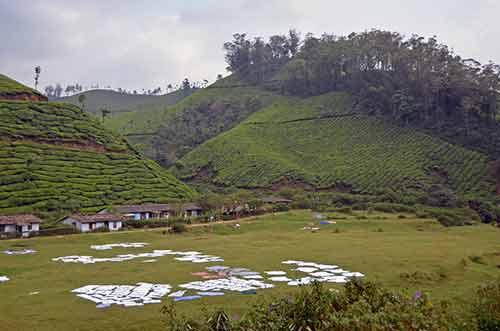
38, 71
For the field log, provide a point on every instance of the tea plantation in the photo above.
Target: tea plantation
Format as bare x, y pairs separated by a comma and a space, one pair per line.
11, 87
56, 123
56, 157
46, 177
168, 134
321, 142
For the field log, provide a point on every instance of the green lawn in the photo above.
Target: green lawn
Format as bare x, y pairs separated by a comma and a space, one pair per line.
382, 246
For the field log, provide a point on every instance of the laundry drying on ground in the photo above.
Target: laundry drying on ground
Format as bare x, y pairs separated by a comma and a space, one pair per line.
194, 257
323, 273
125, 295
19, 252
228, 284
119, 245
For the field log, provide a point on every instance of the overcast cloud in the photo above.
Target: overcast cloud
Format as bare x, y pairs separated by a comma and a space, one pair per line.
129, 44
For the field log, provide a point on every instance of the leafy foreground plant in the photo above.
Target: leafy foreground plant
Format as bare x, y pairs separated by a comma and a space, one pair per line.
487, 307
359, 306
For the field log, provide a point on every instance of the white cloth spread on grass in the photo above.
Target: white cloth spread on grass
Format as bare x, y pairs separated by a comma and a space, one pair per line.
19, 252
281, 279
227, 284
195, 257
121, 245
125, 295
234, 272
323, 273
177, 294
276, 273
4, 279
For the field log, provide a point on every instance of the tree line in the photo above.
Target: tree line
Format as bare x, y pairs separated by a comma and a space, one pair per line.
410, 79
58, 91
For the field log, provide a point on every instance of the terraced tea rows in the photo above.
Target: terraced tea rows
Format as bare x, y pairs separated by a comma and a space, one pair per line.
362, 151
44, 177
56, 157
56, 123
10, 86
169, 134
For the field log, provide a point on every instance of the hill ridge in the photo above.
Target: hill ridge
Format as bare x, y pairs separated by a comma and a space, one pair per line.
321, 142
55, 157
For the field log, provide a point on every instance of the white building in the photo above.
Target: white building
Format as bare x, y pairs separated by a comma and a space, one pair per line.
145, 211
86, 223
24, 224
192, 210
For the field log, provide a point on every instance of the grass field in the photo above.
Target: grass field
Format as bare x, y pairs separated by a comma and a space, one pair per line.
384, 247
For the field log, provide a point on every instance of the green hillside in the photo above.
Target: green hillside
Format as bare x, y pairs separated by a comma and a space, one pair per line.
320, 142
170, 133
57, 157
9, 88
118, 103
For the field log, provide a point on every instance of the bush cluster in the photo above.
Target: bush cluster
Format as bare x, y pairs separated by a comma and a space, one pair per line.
359, 306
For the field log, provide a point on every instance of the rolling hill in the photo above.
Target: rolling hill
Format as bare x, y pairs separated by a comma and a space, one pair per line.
168, 134
118, 103
12, 90
321, 142
55, 157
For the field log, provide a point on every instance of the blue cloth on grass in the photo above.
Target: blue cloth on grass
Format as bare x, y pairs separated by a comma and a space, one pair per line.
188, 298
211, 294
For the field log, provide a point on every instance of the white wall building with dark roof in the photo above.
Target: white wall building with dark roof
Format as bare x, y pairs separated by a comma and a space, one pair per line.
23, 224
87, 223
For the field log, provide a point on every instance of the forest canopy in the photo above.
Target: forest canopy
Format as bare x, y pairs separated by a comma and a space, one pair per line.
412, 80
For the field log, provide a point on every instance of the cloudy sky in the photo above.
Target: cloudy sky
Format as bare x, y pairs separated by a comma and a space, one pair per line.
143, 44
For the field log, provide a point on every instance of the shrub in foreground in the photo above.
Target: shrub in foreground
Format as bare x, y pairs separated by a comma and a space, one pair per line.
359, 306
487, 307
178, 228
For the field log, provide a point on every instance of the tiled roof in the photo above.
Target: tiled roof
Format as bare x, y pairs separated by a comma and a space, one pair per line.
276, 200
191, 206
19, 219
94, 218
150, 207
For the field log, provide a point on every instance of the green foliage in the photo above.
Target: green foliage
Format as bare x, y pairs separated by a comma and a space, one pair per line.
317, 142
58, 124
453, 216
392, 208
360, 306
119, 103
55, 158
178, 227
11, 87
169, 133
411, 80
50, 178
487, 307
